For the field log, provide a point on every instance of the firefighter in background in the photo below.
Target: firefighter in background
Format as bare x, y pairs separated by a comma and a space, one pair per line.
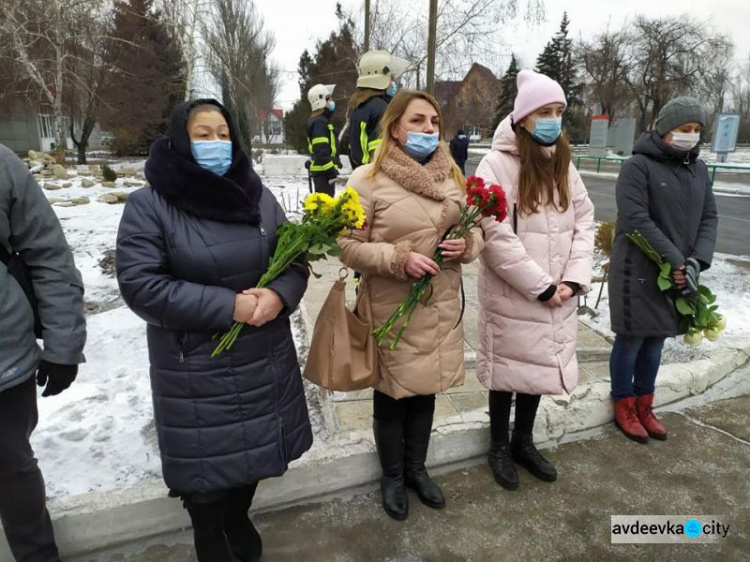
322, 143
376, 86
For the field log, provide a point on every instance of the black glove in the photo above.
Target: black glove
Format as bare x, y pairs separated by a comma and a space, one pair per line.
692, 271
57, 377
307, 164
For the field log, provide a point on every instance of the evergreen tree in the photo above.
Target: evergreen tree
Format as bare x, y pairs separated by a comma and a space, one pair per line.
148, 80
330, 64
508, 91
557, 62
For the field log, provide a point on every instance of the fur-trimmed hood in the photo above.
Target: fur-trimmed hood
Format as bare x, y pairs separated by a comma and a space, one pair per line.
233, 197
422, 179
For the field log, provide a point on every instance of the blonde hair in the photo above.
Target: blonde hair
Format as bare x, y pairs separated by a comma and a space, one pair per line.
395, 110
361, 95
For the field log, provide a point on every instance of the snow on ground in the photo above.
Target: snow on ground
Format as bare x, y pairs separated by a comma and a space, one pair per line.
728, 278
99, 434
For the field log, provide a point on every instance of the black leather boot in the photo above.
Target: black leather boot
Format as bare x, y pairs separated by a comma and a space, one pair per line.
208, 530
416, 443
526, 454
389, 438
502, 466
243, 537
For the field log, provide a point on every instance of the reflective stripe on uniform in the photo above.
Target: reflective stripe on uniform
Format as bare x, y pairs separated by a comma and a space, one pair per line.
363, 142
318, 140
372, 146
322, 167
332, 141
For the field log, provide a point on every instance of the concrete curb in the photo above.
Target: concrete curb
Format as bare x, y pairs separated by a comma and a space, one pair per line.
90, 522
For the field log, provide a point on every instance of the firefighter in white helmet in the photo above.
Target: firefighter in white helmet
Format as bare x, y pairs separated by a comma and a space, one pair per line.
376, 85
321, 141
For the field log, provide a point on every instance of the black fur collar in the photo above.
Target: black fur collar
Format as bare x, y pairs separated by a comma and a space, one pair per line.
234, 197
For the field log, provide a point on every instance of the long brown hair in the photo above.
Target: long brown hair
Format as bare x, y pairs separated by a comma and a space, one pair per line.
395, 110
542, 175
361, 95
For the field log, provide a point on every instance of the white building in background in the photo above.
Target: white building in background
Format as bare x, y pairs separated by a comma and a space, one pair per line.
271, 127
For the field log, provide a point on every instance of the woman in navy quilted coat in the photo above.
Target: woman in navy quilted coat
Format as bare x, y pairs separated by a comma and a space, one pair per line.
190, 249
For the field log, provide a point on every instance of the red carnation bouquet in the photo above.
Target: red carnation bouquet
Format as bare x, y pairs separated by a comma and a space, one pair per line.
481, 201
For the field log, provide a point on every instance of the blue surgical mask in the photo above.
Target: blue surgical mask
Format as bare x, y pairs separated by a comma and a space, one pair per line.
547, 130
214, 156
420, 145
392, 89
331, 106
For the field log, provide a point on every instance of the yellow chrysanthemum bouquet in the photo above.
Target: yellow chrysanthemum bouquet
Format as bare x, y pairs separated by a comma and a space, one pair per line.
313, 238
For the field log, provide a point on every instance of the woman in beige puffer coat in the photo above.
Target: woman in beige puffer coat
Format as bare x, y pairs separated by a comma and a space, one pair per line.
411, 194
533, 265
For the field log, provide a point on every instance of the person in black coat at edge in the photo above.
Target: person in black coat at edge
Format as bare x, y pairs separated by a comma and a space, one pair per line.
460, 150
663, 191
322, 144
189, 250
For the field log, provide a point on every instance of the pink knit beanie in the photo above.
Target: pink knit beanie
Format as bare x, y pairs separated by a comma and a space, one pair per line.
534, 91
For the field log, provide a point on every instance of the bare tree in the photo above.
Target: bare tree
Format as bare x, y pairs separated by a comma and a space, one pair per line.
670, 57
42, 36
184, 18
467, 31
237, 49
715, 79
88, 76
740, 97
607, 64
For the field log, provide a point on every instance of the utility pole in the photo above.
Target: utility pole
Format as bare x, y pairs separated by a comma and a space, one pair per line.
367, 25
431, 46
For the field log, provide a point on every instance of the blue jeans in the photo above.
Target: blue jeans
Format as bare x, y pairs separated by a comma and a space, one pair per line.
633, 365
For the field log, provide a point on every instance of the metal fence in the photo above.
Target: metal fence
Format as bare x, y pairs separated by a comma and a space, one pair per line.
712, 166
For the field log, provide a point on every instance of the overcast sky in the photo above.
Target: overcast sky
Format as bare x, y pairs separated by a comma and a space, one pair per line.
298, 24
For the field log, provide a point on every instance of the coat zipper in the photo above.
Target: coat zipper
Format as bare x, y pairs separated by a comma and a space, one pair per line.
264, 245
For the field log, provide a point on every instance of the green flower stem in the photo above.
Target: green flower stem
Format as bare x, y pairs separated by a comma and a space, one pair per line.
467, 220
292, 245
695, 314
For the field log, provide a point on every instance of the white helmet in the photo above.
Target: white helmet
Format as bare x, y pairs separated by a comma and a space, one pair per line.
376, 68
318, 95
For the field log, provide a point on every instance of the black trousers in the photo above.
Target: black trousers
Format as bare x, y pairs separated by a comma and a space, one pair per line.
387, 409
526, 407
23, 509
322, 186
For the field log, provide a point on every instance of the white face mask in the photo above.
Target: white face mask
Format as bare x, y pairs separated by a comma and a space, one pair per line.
685, 141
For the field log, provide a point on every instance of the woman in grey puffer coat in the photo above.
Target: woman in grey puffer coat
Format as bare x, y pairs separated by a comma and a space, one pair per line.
188, 249
664, 192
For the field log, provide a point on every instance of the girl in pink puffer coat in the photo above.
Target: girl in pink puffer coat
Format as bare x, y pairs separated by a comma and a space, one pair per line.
532, 266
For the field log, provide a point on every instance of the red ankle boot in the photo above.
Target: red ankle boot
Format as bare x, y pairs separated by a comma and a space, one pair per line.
648, 419
626, 418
